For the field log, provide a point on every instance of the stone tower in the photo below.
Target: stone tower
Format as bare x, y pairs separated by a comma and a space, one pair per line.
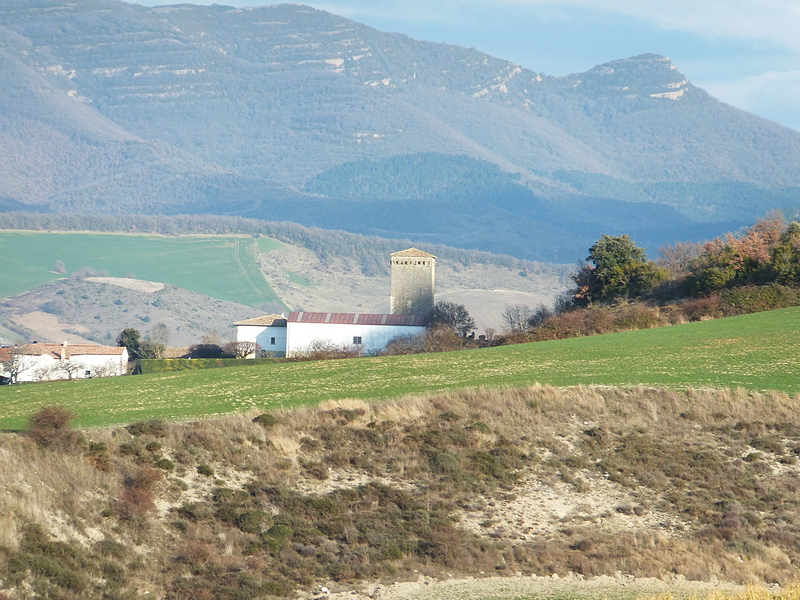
412, 282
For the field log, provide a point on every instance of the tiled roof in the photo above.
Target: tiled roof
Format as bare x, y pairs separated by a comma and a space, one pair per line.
57, 350
412, 253
266, 320
355, 319
177, 352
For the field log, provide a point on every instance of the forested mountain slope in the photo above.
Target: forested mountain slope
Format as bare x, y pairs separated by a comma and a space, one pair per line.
290, 113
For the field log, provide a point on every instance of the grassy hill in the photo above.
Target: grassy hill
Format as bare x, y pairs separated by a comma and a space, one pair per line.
223, 267
753, 352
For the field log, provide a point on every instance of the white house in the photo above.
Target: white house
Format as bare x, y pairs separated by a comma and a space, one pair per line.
269, 332
368, 332
49, 362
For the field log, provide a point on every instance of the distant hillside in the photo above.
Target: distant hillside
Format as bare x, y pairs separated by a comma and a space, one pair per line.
288, 113
97, 309
257, 267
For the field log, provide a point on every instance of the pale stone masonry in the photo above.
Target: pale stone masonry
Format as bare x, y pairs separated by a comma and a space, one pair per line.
412, 282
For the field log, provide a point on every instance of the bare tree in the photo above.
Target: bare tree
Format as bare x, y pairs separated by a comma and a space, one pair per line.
517, 317
15, 361
539, 316
678, 257
157, 340
324, 349
563, 303
45, 373
241, 349
453, 316
70, 368
211, 338
109, 368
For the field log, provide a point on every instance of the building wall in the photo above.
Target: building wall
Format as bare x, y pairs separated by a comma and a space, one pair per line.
271, 339
373, 337
83, 366
412, 285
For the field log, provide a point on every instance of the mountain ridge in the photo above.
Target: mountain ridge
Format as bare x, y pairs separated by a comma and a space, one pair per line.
113, 107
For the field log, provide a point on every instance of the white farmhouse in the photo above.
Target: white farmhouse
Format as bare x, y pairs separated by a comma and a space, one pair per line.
411, 300
368, 333
50, 362
269, 332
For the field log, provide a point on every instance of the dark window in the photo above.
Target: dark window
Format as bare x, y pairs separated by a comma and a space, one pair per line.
357, 339
271, 341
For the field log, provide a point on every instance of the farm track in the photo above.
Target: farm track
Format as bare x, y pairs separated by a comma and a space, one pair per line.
237, 250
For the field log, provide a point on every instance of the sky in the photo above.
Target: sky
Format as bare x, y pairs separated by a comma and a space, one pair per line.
743, 52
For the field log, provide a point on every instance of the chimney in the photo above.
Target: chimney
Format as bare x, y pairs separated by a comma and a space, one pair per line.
64, 350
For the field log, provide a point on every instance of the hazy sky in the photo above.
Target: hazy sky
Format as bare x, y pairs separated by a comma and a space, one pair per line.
744, 52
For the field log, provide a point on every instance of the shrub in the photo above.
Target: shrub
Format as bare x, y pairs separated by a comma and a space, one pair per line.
165, 464
279, 532
405, 344
750, 299
50, 428
144, 477
251, 521
111, 548
637, 316
206, 351
707, 307
128, 449
205, 470
321, 349
134, 502
266, 420
154, 427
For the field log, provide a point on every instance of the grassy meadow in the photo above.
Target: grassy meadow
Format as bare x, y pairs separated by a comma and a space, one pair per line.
753, 352
223, 267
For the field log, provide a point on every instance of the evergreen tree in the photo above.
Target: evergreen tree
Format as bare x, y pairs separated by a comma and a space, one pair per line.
616, 268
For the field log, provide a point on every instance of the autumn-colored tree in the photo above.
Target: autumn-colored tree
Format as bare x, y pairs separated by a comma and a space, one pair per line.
731, 260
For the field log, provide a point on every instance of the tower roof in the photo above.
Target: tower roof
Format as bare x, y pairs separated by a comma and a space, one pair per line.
412, 252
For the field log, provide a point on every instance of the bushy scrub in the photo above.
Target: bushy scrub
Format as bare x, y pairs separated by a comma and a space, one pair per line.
50, 428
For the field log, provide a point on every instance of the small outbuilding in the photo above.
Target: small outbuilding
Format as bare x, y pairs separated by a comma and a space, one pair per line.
50, 362
268, 332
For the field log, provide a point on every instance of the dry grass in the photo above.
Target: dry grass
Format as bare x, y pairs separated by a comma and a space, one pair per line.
753, 592
702, 484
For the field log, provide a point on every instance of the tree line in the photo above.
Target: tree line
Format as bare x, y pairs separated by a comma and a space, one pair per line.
618, 288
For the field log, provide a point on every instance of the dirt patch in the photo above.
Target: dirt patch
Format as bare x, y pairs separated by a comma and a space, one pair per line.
539, 508
137, 285
48, 327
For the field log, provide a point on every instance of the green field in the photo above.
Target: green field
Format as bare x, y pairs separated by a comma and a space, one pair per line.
223, 267
754, 352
